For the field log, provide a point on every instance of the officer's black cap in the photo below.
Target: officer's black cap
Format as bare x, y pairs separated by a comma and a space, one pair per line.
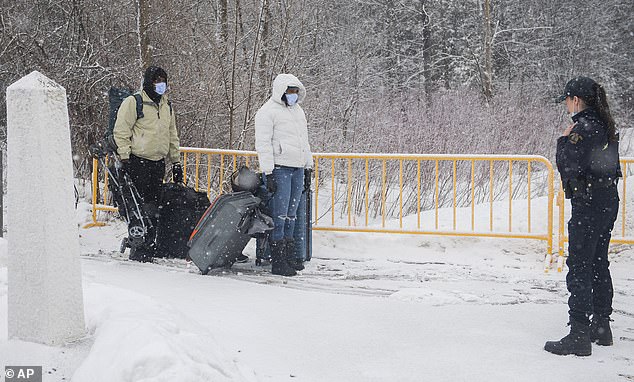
582, 87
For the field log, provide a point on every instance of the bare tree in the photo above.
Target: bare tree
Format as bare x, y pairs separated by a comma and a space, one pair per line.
474, 76
487, 73
143, 14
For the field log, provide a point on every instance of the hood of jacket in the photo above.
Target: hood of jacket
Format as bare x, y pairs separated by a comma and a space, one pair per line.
151, 74
282, 82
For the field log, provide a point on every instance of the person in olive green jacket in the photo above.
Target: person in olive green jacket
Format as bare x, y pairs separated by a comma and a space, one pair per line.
145, 143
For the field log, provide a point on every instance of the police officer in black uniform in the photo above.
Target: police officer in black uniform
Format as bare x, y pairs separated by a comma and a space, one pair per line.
588, 162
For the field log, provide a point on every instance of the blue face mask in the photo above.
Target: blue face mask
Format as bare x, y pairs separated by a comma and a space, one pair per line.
160, 88
291, 98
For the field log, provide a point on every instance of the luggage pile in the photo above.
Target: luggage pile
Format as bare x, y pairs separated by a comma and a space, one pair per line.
234, 219
225, 229
211, 235
229, 224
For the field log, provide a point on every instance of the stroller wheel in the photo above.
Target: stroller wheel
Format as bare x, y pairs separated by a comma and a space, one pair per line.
136, 232
125, 243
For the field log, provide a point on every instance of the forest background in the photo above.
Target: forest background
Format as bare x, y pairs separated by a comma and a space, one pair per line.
418, 76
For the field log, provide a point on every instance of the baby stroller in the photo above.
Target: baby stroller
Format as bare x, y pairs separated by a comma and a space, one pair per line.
125, 196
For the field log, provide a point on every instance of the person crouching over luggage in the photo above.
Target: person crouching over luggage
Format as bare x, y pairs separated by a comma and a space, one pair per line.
143, 143
281, 141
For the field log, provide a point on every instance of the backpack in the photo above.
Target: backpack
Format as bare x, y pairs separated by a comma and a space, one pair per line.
115, 98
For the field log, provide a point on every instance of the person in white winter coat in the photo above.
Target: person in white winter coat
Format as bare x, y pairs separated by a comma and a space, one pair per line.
284, 155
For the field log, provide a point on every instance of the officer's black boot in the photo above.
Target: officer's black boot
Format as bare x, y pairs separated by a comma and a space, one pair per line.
600, 331
577, 342
279, 266
292, 261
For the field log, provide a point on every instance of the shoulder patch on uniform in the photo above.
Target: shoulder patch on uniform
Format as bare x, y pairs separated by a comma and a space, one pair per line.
574, 138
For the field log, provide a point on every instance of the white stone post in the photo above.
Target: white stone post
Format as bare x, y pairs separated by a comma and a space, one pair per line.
45, 299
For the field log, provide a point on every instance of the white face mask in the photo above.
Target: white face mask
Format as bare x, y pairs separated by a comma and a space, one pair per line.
160, 88
291, 98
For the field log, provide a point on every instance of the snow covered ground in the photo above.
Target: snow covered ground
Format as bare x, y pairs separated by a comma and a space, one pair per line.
369, 307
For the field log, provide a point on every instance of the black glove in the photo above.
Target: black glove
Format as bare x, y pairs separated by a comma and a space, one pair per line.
271, 186
177, 173
123, 167
308, 174
97, 150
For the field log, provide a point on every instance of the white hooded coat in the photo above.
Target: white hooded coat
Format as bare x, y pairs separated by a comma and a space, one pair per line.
281, 131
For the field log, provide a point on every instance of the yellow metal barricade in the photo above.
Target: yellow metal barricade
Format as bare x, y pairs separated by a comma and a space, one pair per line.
97, 195
412, 193
619, 234
210, 170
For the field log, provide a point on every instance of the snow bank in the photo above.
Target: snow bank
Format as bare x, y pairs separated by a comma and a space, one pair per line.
139, 339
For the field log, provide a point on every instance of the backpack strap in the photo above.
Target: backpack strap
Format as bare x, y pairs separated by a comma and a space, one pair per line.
139, 105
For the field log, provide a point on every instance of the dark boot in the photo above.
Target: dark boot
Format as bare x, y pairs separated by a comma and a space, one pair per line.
292, 261
577, 342
279, 266
141, 254
600, 331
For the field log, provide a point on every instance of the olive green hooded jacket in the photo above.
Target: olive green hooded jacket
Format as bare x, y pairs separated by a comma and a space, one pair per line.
152, 137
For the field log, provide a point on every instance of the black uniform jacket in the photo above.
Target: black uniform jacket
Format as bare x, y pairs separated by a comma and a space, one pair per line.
586, 159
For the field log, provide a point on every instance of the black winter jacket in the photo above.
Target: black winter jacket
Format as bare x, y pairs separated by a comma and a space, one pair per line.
586, 159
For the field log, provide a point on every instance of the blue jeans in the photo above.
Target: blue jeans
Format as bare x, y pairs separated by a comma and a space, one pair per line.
285, 200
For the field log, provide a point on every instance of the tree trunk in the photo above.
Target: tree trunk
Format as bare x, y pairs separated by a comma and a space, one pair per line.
145, 56
224, 21
487, 78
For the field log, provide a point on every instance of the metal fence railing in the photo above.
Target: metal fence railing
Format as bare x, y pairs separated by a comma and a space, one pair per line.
406, 194
505, 196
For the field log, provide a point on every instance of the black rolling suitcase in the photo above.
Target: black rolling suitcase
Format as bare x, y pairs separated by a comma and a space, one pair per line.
180, 209
225, 229
303, 233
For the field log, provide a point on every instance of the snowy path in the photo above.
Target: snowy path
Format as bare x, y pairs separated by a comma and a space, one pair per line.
367, 308
431, 309
469, 330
